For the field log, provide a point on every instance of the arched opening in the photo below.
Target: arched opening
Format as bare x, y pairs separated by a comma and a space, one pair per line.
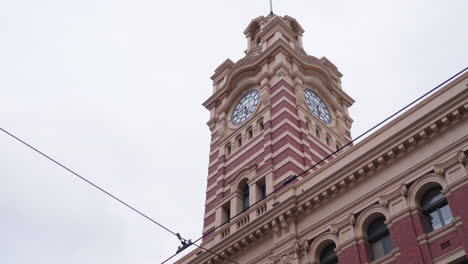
435, 209
328, 254
245, 197
378, 237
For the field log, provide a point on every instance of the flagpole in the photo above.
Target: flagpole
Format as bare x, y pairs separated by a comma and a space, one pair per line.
271, 8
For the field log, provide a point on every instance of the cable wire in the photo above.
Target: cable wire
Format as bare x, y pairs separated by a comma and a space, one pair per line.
290, 179
110, 195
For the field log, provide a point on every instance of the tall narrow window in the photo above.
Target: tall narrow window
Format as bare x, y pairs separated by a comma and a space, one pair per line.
263, 191
328, 255
245, 197
239, 142
317, 132
226, 214
328, 140
228, 149
435, 209
379, 238
261, 126
250, 132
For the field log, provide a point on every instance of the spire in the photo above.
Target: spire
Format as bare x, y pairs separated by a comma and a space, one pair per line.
271, 8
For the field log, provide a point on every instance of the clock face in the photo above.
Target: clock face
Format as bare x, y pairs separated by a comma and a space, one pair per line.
317, 106
245, 107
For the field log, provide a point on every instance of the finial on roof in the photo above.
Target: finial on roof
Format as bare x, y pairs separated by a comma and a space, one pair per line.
271, 9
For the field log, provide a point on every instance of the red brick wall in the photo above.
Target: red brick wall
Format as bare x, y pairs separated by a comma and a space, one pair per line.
405, 231
301, 147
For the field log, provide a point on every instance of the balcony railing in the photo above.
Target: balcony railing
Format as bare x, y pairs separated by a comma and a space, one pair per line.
244, 219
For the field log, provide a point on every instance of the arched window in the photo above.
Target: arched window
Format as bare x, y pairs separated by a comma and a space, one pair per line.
328, 255
245, 197
379, 238
435, 209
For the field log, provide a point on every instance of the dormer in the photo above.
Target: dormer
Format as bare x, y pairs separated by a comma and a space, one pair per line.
262, 32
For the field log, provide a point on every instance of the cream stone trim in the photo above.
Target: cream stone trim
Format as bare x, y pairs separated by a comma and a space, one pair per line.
428, 238
279, 45
243, 86
285, 134
451, 256
421, 186
226, 134
249, 172
458, 157
319, 243
389, 258
246, 162
285, 110
283, 99
282, 88
286, 121
367, 216
286, 147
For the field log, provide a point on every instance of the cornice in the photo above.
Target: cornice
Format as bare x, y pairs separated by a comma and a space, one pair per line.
440, 168
428, 238
276, 22
396, 147
247, 29
251, 62
227, 64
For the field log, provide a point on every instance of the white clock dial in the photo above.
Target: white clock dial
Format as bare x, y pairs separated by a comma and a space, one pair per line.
245, 107
317, 106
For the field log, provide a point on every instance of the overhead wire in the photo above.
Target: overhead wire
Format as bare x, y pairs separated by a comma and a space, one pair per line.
290, 179
109, 194
282, 184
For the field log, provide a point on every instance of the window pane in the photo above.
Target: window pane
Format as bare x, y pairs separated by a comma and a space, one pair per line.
377, 249
245, 198
434, 220
328, 255
387, 244
446, 214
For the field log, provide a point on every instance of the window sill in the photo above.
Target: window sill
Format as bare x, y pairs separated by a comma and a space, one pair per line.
441, 232
389, 258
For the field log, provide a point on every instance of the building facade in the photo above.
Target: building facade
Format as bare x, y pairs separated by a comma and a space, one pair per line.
398, 196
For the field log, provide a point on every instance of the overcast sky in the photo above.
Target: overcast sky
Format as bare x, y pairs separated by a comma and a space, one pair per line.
113, 89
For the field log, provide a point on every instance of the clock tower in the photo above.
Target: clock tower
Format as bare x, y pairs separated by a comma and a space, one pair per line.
273, 114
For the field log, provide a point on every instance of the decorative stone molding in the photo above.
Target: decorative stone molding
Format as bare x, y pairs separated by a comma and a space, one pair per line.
450, 257
396, 203
441, 232
290, 258
454, 171
281, 72
301, 247
341, 181
401, 191
350, 220
249, 172
367, 216
320, 243
387, 156
389, 258
424, 183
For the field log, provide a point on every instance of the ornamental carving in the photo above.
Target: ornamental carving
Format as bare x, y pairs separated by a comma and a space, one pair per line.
289, 258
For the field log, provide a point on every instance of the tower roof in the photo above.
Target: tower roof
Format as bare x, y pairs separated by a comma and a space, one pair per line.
257, 24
